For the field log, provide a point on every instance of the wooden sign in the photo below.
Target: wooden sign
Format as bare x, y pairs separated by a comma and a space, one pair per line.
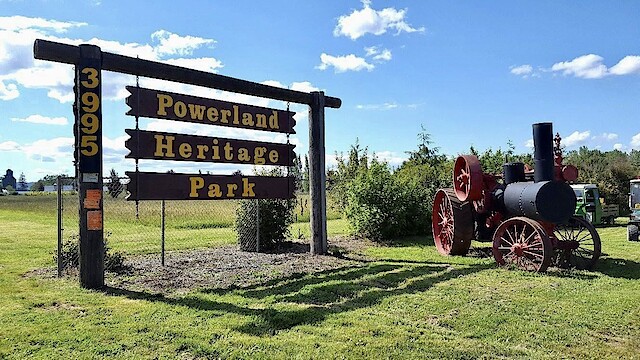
171, 106
170, 146
88, 124
171, 186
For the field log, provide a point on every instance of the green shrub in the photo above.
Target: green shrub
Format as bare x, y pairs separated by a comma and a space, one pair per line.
113, 261
275, 216
380, 206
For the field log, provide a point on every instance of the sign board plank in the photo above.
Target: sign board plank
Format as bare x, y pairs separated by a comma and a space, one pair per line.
171, 106
171, 146
172, 186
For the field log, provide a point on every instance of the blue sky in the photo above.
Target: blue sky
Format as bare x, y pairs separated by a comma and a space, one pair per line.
473, 73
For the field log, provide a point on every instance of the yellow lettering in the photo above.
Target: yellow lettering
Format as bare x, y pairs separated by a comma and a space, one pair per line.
214, 191
247, 188
235, 115
196, 111
258, 155
180, 109
231, 190
226, 114
212, 114
261, 121
201, 150
197, 183
247, 119
216, 150
164, 101
227, 151
243, 155
164, 148
185, 150
273, 156
273, 120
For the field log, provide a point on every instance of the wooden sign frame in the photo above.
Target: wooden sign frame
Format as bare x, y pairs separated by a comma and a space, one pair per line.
92, 259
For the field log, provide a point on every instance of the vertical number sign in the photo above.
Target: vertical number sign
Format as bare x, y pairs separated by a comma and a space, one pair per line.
90, 117
89, 165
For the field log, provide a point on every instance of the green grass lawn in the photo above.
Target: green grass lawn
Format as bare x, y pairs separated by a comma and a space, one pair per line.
408, 303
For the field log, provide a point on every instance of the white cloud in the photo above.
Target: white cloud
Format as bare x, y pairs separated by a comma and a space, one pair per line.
628, 65
50, 150
585, 66
9, 91
18, 68
39, 119
370, 21
576, 138
390, 157
303, 86
383, 106
529, 143
174, 44
609, 136
377, 54
344, 63
16, 23
9, 146
635, 141
592, 66
619, 147
521, 70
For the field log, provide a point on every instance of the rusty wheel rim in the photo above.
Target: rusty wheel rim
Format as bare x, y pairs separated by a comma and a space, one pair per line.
583, 244
443, 223
467, 178
522, 243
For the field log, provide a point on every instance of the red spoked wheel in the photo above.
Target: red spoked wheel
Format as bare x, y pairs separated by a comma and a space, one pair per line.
467, 178
523, 243
578, 244
452, 223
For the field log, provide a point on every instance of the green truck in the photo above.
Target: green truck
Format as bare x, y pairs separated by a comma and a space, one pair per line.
591, 207
634, 205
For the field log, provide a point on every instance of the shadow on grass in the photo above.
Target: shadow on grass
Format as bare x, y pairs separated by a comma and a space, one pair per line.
299, 300
415, 240
618, 268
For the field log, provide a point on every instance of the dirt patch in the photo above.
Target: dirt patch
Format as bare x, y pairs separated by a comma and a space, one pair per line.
228, 266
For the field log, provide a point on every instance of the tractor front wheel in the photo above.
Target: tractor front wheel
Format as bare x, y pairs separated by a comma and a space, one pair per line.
452, 223
523, 243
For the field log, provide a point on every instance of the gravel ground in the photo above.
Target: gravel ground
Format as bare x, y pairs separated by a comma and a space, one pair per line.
227, 266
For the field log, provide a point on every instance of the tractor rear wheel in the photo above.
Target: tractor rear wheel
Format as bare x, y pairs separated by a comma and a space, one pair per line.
578, 244
452, 223
523, 243
467, 178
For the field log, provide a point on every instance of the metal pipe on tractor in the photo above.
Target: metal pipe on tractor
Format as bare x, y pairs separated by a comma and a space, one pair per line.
530, 223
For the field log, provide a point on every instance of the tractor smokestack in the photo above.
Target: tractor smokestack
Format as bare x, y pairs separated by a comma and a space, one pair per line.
543, 152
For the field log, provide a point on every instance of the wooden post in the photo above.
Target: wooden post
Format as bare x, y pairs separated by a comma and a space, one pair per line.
317, 175
88, 130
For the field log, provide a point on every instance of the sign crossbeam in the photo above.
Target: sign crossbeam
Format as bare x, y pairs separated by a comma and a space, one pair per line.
70, 54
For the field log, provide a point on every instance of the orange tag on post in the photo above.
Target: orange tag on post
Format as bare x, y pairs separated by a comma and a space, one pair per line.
92, 200
94, 220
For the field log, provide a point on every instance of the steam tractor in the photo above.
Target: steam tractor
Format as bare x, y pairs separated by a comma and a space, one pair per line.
527, 214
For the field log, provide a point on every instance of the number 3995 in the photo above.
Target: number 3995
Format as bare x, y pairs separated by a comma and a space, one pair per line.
89, 121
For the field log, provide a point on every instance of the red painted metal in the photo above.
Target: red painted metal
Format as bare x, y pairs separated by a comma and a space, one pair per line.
467, 178
477, 204
452, 224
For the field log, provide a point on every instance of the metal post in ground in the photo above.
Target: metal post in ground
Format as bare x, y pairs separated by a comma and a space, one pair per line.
257, 225
162, 235
60, 229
